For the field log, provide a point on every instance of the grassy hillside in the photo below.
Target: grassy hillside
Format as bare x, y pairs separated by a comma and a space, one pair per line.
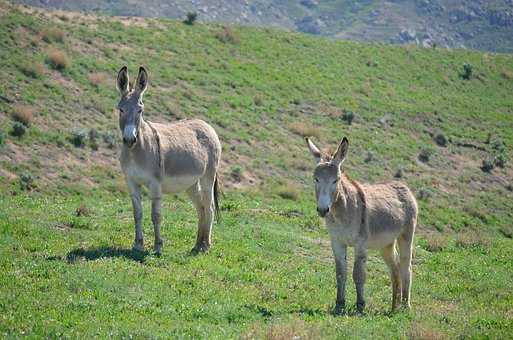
66, 264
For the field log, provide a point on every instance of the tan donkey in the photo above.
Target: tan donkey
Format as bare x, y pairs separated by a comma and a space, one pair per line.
365, 216
167, 158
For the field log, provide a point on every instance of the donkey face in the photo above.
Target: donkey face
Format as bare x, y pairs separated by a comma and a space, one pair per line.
130, 105
327, 174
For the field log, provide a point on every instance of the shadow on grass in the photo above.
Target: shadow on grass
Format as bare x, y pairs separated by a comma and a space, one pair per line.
105, 252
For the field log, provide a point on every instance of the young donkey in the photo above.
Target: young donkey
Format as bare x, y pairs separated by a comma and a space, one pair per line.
167, 158
365, 216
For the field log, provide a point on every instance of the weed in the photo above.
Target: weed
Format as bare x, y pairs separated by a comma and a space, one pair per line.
23, 114
18, 129
82, 210
190, 18
57, 59
369, 157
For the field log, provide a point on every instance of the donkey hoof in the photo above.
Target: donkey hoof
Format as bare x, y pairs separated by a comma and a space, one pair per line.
138, 246
200, 248
360, 307
339, 309
158, 248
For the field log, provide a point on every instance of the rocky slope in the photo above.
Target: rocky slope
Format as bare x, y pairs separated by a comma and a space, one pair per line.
476, 24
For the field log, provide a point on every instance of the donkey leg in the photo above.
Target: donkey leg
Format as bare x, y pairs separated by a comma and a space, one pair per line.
156, 217
202, 198
405, 249
359, 276
391, 259
340, 254
135, 195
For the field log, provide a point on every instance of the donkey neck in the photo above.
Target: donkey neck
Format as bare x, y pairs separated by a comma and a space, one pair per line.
349, 201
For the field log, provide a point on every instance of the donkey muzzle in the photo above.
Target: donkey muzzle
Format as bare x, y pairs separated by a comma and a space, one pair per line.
323, 211
129, 135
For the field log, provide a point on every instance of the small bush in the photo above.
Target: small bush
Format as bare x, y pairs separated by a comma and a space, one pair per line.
52, 34
227, 35
305, 130
78, 138
348, 117
424, 194
109, 139
18, 129
500, 160
467, 71
26, 181
23, 114
399, 173
36, 70
507, 74
94, 134
424, 155
507, 231
440, 139
2, 137
57, 59
190, 18
97, 78
487, 165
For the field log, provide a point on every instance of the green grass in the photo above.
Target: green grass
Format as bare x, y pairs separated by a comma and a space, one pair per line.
270, 272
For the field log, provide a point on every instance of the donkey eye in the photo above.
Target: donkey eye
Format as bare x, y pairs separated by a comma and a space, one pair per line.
335, 181
316, 180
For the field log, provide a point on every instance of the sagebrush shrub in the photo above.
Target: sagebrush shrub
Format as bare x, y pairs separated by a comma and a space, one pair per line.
23, 114
57, 59
190, 18
18, 129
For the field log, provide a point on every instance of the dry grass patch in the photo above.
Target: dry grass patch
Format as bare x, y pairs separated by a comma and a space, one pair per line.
425, 333
23, 114
436, 243
52, 34
305, 130
57, 59
472, 239
97, 78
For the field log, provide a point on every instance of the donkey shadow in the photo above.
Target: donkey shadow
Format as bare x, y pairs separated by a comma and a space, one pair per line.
93, 254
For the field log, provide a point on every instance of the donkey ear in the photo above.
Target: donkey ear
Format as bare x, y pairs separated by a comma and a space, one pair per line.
122, 81
340, 154
142, 80
314, 150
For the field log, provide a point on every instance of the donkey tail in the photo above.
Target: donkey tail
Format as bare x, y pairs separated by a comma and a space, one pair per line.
217, 192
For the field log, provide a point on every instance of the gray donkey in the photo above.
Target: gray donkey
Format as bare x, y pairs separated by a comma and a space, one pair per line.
167, 158
364, 216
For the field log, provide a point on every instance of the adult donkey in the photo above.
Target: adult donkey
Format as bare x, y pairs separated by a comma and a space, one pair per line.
167, 158
365, 216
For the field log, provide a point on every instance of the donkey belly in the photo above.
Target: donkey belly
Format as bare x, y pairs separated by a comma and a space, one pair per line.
176, 184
